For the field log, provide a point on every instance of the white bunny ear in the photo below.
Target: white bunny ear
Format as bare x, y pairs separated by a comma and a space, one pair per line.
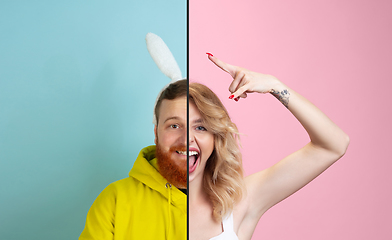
162, 56
165, 61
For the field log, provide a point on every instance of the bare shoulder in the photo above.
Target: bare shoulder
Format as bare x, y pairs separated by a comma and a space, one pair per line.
246, 218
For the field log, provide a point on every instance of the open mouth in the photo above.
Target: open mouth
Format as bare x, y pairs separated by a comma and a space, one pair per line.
193, 159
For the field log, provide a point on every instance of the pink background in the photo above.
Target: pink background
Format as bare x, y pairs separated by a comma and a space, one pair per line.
337, 54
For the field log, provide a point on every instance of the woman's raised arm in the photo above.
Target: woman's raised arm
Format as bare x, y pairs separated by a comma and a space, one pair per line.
327, 143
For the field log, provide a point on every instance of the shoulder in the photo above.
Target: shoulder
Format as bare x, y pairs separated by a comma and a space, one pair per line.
243, 221
103, 213
246, 218
116, 193
239, 212
123, 186
115, 190
243, 208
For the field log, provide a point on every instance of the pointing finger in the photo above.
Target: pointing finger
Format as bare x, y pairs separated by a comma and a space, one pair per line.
222, 65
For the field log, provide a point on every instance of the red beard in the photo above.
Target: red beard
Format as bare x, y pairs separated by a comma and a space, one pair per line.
175, 173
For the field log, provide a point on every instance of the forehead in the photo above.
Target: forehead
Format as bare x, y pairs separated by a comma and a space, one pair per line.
170, 109
194, 113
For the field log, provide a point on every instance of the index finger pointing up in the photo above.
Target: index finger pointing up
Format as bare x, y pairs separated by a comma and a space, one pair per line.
222, 65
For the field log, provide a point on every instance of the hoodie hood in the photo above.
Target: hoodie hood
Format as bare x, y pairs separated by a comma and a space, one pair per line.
146, 170
141, 206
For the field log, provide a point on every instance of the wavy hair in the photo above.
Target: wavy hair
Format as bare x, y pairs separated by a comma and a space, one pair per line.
223, 178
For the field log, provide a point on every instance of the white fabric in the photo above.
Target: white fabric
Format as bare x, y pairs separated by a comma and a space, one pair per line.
162, 56
165, 61
228, 230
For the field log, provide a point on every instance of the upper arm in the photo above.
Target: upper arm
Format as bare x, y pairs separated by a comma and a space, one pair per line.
272, 185
100, 217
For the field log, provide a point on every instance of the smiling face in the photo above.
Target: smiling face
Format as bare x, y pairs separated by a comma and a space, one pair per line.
201, 144
218, 172
170, 138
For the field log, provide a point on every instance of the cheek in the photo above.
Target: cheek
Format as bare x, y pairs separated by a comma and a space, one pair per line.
211, 144
207, 143
167, 139
163, 139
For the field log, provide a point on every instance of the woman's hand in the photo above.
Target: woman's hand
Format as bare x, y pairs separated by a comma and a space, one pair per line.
327, 143
245, 81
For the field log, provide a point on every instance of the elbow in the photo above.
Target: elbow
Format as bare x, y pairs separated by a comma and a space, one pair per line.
343, 145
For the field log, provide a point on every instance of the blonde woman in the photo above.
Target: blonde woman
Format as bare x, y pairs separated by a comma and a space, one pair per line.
222, 203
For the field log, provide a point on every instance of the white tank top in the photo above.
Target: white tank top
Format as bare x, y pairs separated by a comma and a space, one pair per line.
228, 230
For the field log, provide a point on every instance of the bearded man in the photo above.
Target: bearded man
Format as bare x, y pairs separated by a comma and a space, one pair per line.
151, 203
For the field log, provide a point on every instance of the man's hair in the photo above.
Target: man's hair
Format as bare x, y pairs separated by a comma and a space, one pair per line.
223, 175
173, 91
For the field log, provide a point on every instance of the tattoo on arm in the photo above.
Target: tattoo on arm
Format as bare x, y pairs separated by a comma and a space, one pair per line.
282, 96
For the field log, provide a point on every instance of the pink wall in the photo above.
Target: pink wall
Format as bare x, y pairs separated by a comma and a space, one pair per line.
337, 54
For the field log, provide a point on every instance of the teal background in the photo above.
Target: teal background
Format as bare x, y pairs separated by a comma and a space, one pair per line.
77, 89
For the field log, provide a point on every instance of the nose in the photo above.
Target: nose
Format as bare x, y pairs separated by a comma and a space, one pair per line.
183, 137
191, 136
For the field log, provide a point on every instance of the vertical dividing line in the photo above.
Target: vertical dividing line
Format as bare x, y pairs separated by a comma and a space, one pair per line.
187, 119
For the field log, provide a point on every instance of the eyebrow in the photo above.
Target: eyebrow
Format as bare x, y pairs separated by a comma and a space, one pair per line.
172, 118
200, 120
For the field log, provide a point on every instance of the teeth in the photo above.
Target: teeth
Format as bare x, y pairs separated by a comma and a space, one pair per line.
191, 153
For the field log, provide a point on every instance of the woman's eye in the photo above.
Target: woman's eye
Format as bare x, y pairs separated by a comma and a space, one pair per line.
201, 128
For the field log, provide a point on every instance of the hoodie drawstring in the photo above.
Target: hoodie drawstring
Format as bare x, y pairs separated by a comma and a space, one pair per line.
169, 186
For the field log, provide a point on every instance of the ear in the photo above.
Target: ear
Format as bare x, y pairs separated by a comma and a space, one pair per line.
156, 135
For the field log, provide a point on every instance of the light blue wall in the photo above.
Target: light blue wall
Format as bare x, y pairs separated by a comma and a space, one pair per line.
77, 89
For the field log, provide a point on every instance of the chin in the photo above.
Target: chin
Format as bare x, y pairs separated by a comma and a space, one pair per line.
172, 172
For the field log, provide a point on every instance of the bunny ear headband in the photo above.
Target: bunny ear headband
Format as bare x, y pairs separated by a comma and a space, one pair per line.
164, 59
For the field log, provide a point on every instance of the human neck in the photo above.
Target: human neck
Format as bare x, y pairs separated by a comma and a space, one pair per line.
196, 192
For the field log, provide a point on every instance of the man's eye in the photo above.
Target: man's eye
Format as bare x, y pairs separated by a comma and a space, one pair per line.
201, 128
174, 126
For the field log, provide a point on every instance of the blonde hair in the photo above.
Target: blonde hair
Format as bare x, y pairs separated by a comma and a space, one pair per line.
223, 175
